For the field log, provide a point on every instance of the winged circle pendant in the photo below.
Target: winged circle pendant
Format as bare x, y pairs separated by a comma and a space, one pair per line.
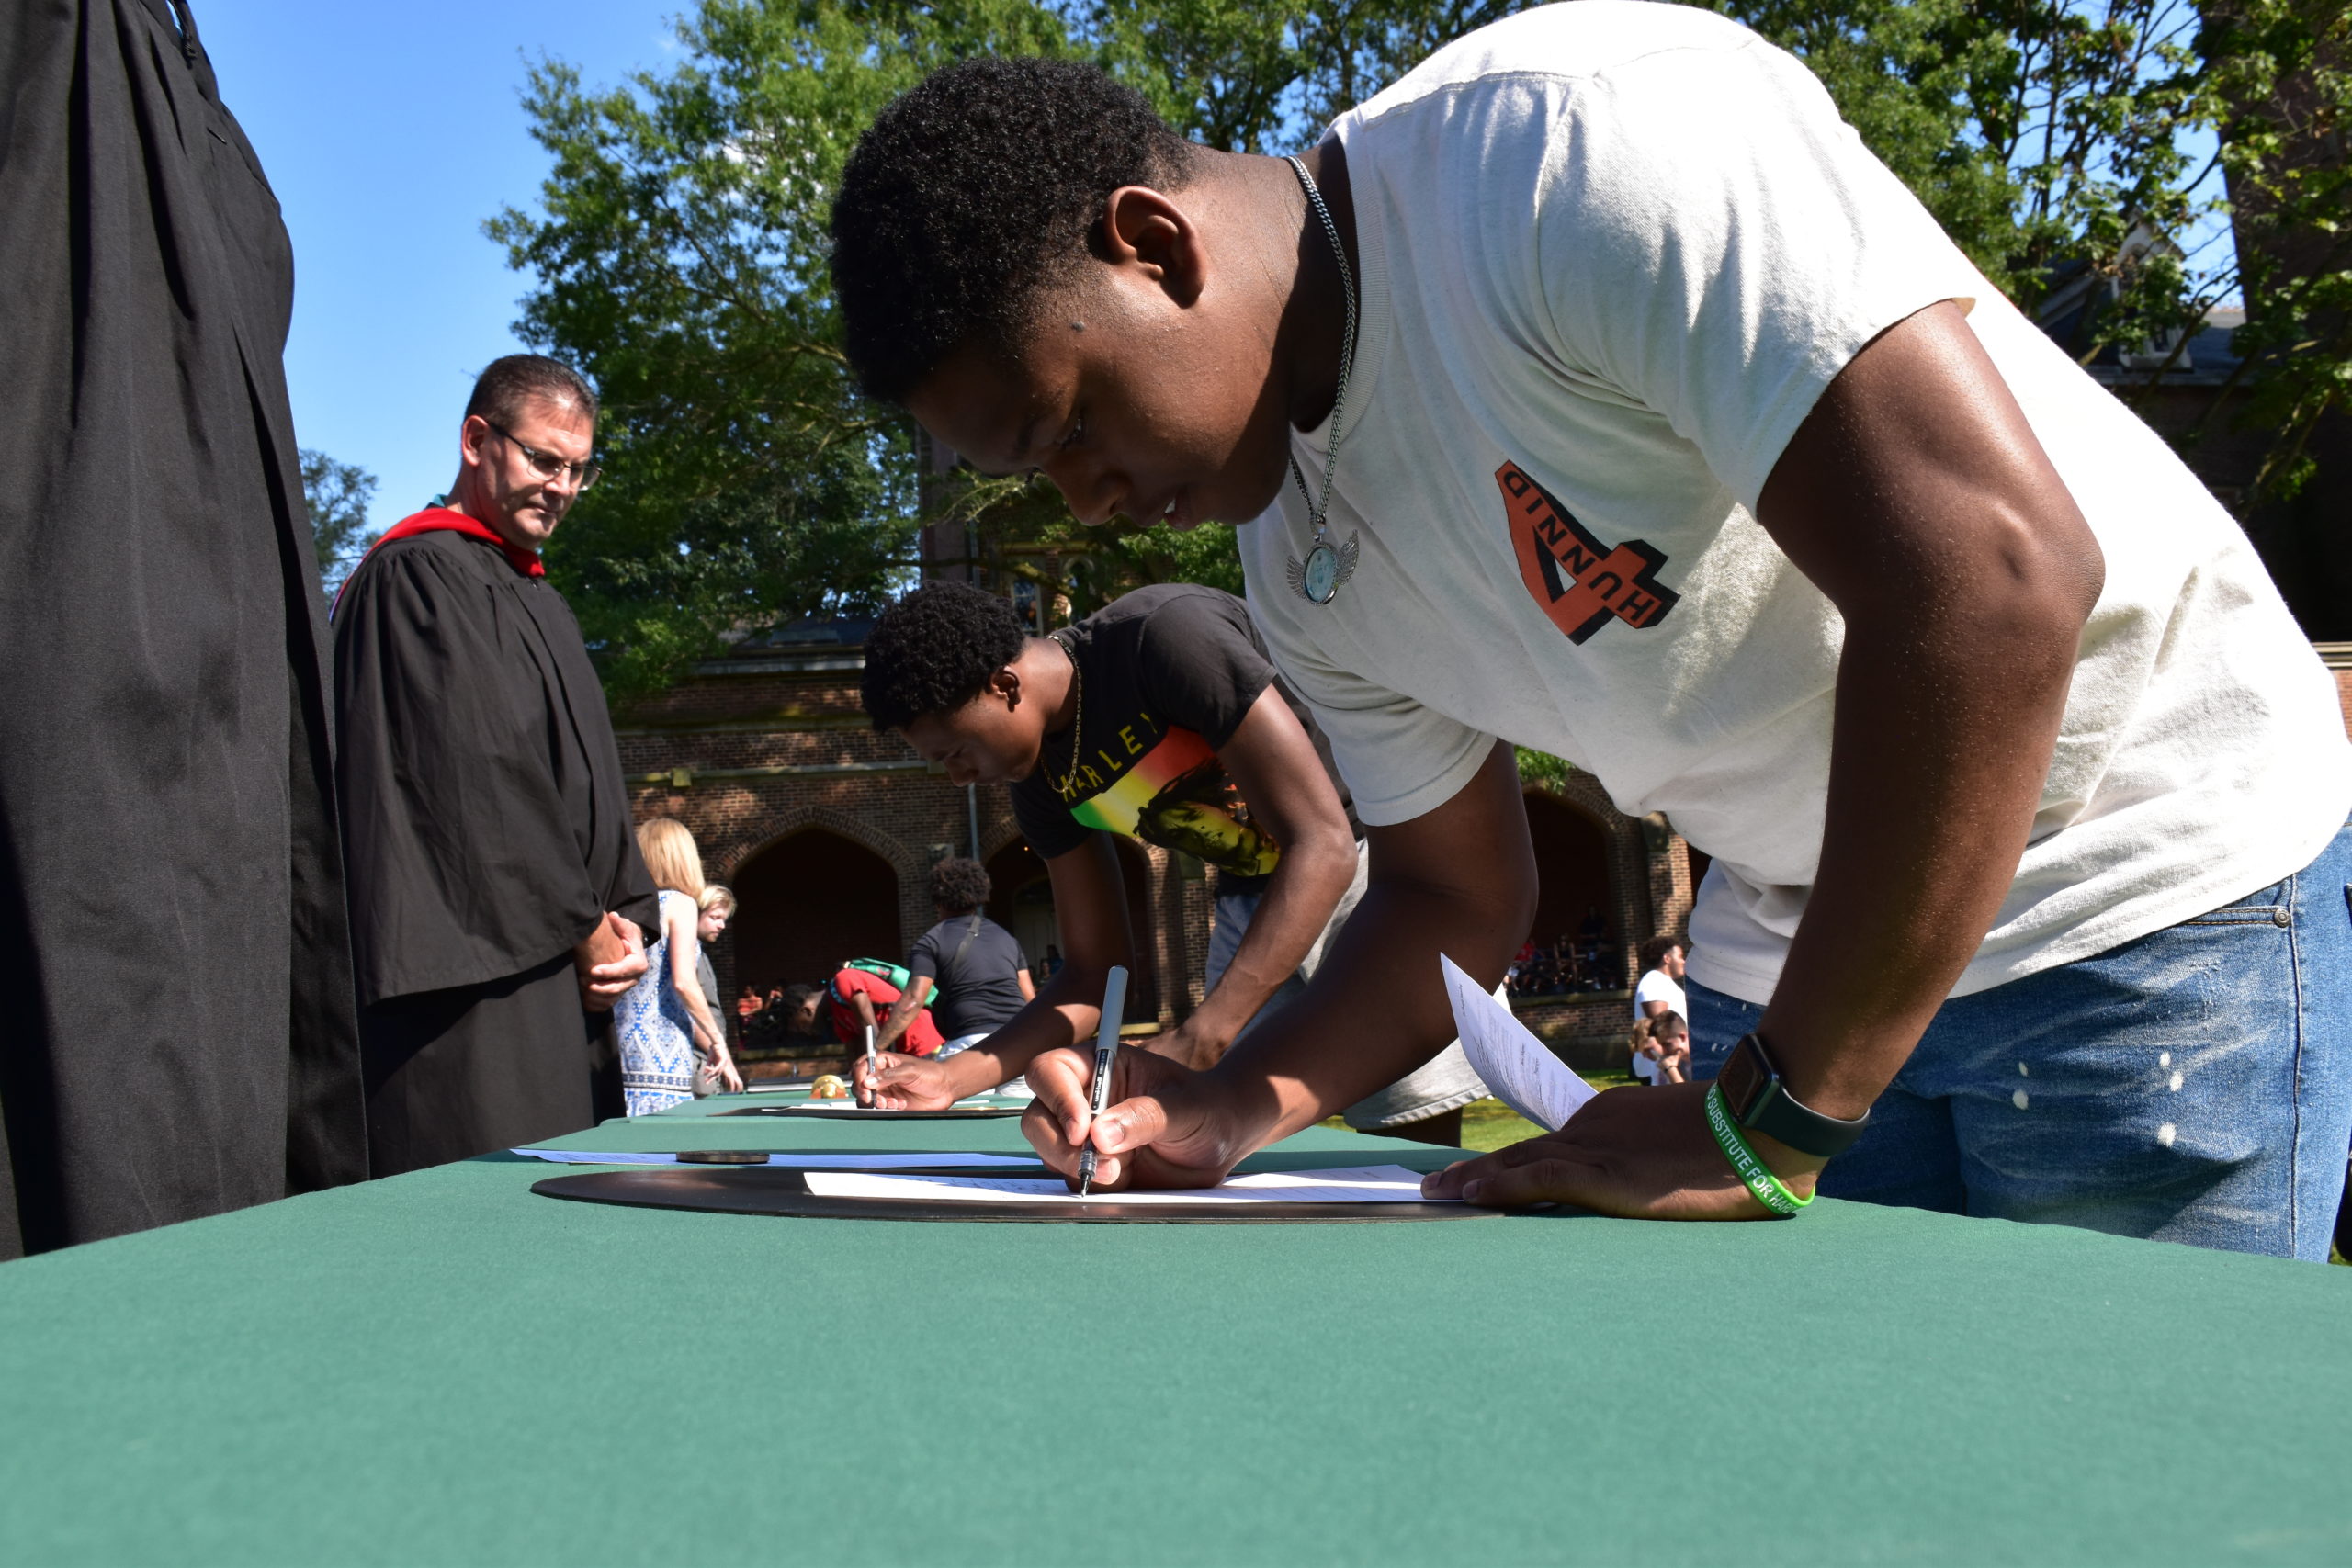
1326, 571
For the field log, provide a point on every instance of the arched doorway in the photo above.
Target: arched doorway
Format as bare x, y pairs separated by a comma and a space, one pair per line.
808, 902
1021, 899
1572, 868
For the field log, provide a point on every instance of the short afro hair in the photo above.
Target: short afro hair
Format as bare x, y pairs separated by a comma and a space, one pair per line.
935, 650
958, 885
972, 192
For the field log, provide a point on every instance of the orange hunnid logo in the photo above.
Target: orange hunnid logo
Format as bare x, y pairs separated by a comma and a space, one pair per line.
1580, 582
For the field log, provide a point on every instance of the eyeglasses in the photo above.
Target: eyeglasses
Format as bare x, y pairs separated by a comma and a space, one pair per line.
546, 464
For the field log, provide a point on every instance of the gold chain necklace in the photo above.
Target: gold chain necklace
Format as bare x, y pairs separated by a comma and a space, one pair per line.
1077, 724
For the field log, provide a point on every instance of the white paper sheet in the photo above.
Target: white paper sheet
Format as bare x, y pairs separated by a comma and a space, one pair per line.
804, 1161
1519, 1067
1354, 1184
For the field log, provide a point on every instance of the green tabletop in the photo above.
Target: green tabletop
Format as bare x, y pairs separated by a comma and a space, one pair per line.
445, 1368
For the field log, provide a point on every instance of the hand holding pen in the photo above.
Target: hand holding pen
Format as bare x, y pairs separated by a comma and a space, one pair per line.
1106, 1055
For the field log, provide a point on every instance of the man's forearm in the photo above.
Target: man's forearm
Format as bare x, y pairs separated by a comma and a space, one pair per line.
1376, 1008
894, 1025
1068, 1009
1944, 731
1308, 885
1918, 499
1458, 881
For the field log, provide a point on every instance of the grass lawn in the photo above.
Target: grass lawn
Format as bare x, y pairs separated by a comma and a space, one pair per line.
1488, 1124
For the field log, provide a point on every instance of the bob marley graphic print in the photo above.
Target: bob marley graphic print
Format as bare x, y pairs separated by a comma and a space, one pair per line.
1166, 674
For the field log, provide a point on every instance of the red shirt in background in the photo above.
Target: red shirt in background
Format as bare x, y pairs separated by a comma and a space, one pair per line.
923, 1036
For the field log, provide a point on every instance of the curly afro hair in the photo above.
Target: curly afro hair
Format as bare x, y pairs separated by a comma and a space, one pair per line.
959, 885
933, 651
972, 192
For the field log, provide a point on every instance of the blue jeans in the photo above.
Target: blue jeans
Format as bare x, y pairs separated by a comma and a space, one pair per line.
2192, 1086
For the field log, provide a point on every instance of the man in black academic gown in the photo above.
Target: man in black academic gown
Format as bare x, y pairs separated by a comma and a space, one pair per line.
498, 901
177, 1035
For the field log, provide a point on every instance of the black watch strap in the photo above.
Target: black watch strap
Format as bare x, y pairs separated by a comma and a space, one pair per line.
1761, 1103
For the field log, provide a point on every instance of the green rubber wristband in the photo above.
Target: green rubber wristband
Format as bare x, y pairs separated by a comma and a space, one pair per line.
1755, 1172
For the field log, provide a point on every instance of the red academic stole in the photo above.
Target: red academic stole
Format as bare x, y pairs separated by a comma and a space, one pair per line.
436, 519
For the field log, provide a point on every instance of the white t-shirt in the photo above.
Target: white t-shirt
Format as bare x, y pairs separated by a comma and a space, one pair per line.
1656, 987
1611, 253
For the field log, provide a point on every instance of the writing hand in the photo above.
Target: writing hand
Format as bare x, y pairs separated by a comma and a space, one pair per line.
1644, 1154
1167, 1126
904, 1082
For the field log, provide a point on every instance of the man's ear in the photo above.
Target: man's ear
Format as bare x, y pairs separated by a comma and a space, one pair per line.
1006, 686
471, 433
1145, 229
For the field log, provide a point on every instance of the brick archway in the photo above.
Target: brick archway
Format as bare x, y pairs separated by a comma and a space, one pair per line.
1588, 856
905, 862
807, 902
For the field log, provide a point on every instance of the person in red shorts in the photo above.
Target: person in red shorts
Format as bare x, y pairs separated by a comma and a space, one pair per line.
858, 1000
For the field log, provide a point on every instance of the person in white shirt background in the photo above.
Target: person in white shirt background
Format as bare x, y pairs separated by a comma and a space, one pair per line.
1658, 992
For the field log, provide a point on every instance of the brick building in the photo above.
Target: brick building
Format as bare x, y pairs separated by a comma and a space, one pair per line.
826, 831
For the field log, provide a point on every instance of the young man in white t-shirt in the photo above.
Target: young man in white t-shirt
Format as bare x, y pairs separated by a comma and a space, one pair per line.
1673, 439
1659, 990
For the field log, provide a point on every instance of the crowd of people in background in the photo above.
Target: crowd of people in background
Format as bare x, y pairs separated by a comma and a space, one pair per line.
1588, 959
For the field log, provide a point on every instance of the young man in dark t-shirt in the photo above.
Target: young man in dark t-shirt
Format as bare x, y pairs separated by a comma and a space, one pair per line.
1157, 717
968, 968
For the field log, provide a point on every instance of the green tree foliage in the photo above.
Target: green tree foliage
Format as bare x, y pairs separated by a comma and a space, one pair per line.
2279, 83
2126, 139
681, 264
2046, 139
1543, 768
336, 495
680, 256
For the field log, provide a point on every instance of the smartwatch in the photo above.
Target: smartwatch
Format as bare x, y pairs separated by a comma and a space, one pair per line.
1758, 1102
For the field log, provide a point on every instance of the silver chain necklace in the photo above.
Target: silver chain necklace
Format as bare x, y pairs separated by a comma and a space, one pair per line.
1317, 579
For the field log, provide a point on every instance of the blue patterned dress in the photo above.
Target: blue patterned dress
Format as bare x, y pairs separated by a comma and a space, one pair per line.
657, 1034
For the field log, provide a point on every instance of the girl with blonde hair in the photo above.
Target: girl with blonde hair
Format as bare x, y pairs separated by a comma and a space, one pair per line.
667, 1018
718, 905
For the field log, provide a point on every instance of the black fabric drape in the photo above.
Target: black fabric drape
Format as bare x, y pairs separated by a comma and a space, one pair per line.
458, 1073
176, 1030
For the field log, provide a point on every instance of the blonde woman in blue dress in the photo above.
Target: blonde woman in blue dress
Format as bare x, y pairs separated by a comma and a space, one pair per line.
665, 1018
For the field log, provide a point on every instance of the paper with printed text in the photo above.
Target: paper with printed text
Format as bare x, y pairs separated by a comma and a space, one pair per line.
1520, 1069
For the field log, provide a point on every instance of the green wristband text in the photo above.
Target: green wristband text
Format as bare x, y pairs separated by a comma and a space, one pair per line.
1755, 1172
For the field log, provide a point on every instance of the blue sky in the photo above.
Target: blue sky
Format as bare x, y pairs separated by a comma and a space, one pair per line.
389, 133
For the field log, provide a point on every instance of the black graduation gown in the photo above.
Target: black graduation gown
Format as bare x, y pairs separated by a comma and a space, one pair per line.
487, 830
177, 1035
